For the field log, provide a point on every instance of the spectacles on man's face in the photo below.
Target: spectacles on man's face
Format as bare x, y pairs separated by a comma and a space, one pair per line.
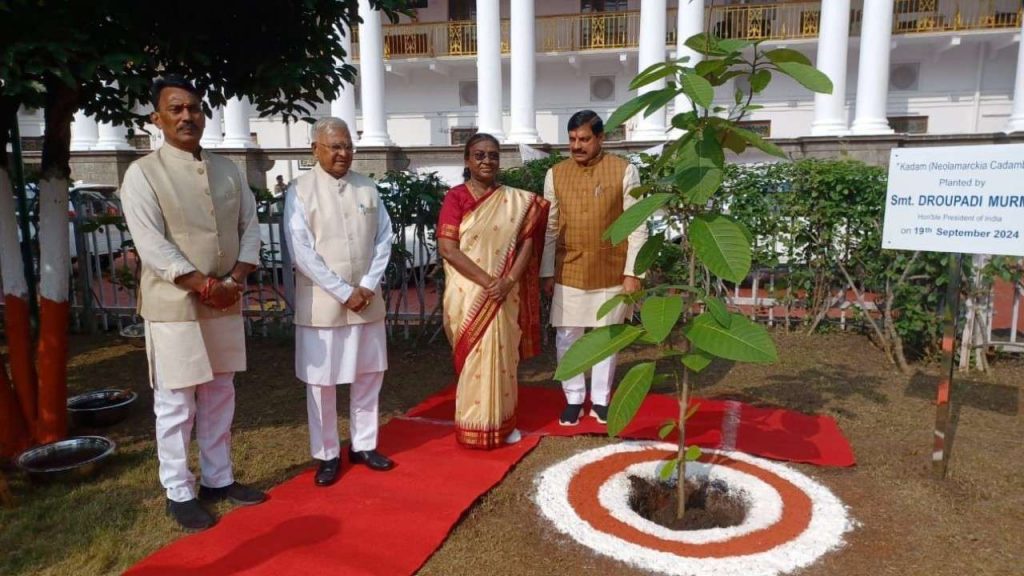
481, 156
337, 148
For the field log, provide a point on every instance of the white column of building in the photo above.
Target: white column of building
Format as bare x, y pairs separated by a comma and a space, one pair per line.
344, 106
873, 69
371, 67
236, 124
213, 134
111, 137
653, 14
833, 39
84, 132
1016, 122
488, 68
689, 22
524, 71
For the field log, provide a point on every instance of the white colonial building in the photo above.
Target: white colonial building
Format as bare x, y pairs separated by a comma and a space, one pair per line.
520, 68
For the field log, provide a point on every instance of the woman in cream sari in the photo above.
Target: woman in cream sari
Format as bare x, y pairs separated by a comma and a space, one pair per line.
490, 237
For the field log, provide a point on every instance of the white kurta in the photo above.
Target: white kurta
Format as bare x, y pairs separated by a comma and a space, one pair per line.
190, 352
329, 356
573, 306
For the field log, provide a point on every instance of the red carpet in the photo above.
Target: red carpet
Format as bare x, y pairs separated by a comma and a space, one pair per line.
373, 523
773, 433
368, 523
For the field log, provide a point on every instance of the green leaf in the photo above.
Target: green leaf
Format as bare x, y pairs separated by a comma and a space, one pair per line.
595, 346
685, 121
610, 305
718, 310
733, 45
626, 111
702, 44
742, 341
635, 217
721, 246
648, 254
692, 453
705, 67
629, 396
666, 429
699, 184
660, 99
652, 74
757, 142
697, 360
759, 80
787, 55
666, 468
808, 76
659, 315
698, 89
734, 142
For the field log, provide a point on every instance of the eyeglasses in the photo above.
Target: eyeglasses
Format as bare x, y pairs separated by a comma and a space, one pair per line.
337, 148
480, 156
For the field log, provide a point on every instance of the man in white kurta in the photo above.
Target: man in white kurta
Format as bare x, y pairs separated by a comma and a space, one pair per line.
193, 222
582, 271
339, 235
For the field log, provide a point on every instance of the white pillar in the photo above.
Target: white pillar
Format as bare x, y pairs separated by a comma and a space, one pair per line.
524, 72
111, 137
1016, 122
833, 39
236, 124
84, 132
371, 67
873, 69
653, 14
213, 134
488, 68
689, 22
344, 106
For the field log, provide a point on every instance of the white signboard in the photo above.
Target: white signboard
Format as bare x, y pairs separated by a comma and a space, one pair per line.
967, 199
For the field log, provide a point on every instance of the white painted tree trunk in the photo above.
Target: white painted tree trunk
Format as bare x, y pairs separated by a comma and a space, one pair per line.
12, 270
54, 253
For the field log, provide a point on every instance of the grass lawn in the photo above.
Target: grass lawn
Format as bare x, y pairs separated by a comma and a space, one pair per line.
971, 523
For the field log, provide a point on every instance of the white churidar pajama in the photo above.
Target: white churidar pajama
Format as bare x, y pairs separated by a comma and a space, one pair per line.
191, 364
354, 354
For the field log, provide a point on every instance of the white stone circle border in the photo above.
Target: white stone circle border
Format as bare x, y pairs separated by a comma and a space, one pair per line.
829, 518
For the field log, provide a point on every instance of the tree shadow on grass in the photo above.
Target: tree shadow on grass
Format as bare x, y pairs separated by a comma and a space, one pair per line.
813, 390
986, 396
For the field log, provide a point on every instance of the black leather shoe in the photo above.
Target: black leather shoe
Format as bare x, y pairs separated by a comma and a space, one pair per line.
570, 415
190, 515
235, 492
600, 413
327, 472
373, 459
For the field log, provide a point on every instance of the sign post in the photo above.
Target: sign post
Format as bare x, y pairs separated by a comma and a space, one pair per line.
957, 199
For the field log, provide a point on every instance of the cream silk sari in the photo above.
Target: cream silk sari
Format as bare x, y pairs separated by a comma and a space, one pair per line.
487, 336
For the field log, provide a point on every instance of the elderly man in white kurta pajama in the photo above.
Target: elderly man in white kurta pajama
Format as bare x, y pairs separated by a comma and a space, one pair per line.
339, 236
193, 221
582, 271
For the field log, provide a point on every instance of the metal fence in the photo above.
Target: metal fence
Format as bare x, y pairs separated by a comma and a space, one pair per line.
105, 272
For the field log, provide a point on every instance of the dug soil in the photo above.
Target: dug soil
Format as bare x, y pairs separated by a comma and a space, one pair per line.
709, 504
909, 523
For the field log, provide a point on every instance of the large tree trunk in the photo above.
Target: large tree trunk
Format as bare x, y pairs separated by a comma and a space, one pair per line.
17, 392
54, 263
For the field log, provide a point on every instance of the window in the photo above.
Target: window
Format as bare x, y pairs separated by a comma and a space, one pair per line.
418, 3
461, 10
762, 128
909, 124
617, 135
467, 93
603, 5
462, 134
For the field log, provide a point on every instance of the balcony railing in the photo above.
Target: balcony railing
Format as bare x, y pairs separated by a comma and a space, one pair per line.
617, 30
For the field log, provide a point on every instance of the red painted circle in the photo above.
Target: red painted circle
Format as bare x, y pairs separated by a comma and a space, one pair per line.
586, 485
